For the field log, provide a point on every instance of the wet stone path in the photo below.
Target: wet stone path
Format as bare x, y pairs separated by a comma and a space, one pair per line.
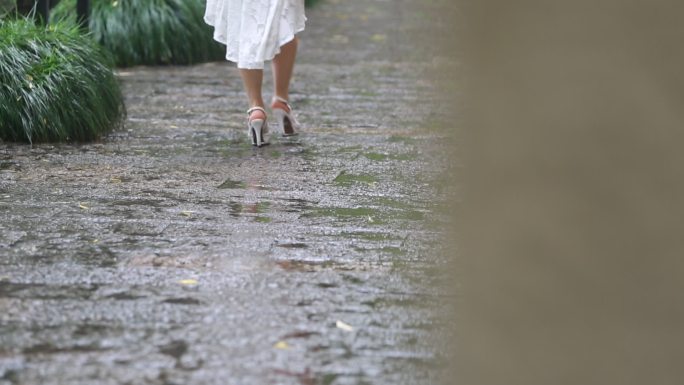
172, 252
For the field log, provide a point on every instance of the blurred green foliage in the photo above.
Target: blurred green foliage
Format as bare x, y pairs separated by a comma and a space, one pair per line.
55, 84
6, 6
149, 32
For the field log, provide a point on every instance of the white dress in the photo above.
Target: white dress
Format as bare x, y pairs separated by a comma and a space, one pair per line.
254, 30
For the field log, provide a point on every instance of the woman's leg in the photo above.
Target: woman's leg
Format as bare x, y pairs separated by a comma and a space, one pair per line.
252, 81
283, 66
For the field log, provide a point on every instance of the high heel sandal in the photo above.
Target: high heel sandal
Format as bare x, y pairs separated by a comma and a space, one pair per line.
257, 129
287, 123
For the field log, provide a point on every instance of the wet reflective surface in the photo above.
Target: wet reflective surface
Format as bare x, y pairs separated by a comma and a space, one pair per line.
175, 253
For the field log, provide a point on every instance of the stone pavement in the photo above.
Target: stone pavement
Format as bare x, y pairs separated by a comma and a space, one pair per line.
173, 252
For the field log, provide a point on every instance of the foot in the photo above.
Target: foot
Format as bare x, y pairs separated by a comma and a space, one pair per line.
280, 104
257, 126
287, 123
256, 113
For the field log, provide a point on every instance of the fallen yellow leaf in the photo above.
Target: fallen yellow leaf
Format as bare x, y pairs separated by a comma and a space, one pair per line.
378, 38
188, 282
281, 345
82, 206
344, 326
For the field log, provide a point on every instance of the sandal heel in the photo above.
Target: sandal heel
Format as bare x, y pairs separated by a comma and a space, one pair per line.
285, 119
257, 129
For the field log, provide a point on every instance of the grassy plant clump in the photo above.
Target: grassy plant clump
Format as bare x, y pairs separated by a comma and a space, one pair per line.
55, 84
6, 6
149, 32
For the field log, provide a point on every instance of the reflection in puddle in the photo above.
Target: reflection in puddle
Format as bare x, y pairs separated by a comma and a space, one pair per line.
48, 348
261, 207
231, 184
252, 209
183, 301
235, 209
43, 291
295, 245
296, 205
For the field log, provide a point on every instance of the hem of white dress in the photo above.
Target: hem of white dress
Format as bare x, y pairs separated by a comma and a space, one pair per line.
257, 65
260, 65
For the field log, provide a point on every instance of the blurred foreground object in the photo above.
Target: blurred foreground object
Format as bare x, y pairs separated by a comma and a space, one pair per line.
572, 262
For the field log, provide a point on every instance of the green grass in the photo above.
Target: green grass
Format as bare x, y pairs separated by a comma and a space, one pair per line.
55, 85
345, 179
6, 6
149, 32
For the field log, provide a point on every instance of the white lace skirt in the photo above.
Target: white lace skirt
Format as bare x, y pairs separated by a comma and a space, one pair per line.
254, 30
